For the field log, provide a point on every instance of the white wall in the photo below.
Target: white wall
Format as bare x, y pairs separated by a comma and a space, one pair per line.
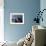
1, 20
43, 6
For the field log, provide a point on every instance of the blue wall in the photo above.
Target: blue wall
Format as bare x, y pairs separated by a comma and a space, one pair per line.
29, 8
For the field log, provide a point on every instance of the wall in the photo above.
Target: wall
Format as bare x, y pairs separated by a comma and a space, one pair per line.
43, 6
1, 21
29, 8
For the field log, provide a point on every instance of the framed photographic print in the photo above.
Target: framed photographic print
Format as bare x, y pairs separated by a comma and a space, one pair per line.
16, 18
